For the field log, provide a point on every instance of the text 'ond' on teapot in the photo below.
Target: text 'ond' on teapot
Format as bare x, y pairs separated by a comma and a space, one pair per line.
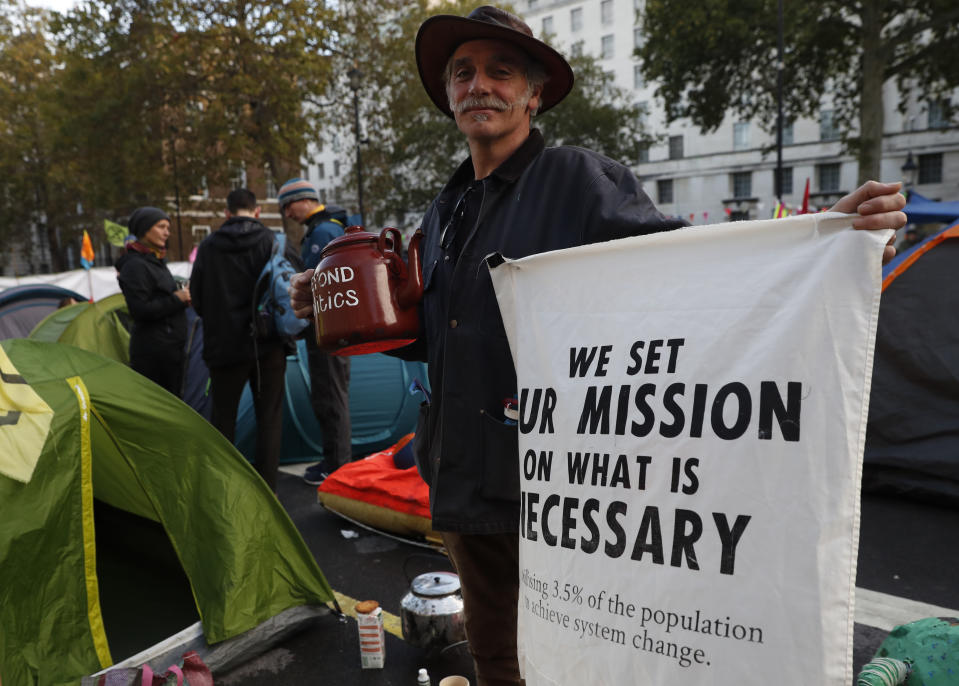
365, 297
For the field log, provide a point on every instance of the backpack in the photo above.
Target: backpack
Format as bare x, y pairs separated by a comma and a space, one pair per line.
272, 314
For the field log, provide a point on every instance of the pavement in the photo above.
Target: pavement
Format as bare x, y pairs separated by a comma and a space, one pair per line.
906, 571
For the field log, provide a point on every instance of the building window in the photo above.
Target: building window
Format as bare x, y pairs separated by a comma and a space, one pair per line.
576, 19
269, 185
202, 191
664, 191
637, 38
200, 231
787, 133
237, 176
741, 135
742, 183
305, 173
930, 168
532, 4
606, 47
643, 117
937, 114
606, 12
828, 131
321, 170
643, 153
547, 26
609, 83
675, 147
787, 188
336, 168
638, 81
828, 176
576, 49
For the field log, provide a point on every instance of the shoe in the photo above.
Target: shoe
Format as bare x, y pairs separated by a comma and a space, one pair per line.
316, 474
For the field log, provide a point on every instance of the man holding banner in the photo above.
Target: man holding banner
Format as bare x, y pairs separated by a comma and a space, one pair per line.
516, 197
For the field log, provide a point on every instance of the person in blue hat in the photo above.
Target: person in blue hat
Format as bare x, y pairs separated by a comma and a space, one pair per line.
329, 374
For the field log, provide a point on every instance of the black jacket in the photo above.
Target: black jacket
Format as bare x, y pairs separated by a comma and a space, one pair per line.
159, 320
540, 199
228, 263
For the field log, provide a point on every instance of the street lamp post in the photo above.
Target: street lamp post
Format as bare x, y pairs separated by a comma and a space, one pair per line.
356, 76
779, 107
908, 170
176, 194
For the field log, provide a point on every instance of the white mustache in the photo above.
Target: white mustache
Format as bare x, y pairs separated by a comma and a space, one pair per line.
487, 102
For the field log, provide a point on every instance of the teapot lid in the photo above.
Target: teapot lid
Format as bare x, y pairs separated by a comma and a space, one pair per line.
436, 584
351, 235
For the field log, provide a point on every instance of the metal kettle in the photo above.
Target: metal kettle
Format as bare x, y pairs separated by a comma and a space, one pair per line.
432, 612
365, 297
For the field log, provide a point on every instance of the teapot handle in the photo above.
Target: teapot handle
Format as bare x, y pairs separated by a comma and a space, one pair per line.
390, 243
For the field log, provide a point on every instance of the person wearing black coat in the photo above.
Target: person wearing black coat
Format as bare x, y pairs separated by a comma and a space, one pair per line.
156, 304
516, 196
227, 267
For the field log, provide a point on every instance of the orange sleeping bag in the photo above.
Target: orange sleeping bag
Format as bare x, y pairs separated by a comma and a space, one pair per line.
375, 492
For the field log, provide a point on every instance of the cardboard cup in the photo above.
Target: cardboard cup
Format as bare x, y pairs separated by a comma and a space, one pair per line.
454, 681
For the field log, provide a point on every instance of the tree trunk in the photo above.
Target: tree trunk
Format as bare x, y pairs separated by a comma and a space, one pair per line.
871, 114
57, 263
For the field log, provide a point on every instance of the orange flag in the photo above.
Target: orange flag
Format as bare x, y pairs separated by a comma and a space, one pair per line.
86, 251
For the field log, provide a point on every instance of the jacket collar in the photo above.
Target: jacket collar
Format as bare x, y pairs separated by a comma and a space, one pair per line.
508, 171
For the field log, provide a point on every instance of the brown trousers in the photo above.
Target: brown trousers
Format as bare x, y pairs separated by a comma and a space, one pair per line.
488, 568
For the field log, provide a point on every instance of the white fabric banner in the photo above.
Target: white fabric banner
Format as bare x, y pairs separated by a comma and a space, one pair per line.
98, 282
692, 418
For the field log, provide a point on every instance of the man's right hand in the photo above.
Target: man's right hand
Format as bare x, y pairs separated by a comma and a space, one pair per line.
301, 295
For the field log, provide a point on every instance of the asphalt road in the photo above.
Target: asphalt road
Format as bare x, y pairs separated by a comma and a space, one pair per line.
907, 561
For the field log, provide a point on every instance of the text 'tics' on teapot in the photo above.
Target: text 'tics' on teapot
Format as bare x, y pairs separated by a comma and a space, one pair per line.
365, 297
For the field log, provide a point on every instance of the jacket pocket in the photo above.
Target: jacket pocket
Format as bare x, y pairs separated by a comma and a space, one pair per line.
421, 444
500, 460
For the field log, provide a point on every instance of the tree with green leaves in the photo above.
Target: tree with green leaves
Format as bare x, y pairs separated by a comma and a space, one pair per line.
715, 56
35, 185
207, 87
119, 103
411, 148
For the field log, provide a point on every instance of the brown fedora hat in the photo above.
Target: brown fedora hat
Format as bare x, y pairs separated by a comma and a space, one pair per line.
439, 37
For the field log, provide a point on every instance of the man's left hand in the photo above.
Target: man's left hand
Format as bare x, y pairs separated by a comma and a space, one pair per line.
879, 206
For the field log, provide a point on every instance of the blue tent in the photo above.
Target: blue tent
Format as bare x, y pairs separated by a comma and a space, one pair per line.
922, 210
22, 307
382, 409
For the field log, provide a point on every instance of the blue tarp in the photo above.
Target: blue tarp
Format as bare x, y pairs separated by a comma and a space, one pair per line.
922, 210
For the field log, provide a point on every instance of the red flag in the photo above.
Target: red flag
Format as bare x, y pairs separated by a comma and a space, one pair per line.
805, 199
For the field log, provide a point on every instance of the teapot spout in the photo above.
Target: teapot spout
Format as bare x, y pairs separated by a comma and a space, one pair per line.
412, 290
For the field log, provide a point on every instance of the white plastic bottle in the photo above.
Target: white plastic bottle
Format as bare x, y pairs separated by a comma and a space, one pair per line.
422, 679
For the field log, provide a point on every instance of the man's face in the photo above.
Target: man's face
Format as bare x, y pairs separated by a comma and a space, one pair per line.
488, 90
299, 210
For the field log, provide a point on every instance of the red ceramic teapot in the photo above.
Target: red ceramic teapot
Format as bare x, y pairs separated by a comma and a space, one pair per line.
364, 296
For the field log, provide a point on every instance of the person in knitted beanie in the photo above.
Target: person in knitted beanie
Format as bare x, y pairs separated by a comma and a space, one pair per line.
156, 303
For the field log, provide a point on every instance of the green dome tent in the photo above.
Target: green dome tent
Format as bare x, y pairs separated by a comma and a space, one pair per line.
81, 435
101, 327
50, 327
